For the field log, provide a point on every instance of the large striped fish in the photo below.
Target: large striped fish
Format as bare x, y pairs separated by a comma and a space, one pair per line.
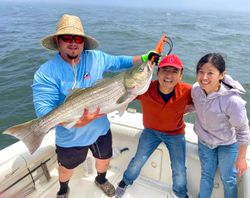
108, 95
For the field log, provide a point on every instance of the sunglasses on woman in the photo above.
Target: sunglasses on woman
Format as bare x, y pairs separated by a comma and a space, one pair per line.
70, 38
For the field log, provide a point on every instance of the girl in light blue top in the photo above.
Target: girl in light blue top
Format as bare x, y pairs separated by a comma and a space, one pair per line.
221, 124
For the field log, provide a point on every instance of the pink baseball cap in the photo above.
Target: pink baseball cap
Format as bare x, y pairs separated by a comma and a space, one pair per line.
171, 60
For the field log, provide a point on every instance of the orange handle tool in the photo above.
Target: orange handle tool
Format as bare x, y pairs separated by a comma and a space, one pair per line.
160, 45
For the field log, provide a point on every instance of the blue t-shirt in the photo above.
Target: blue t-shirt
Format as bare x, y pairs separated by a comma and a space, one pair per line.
55, 78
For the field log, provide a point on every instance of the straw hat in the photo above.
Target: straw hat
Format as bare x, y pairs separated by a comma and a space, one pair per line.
69, 24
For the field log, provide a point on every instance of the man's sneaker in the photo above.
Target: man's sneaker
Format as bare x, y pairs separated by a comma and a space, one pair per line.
119, 191
63, 195
107, 188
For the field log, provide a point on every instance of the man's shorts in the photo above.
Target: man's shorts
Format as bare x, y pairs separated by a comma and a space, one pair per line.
73, 156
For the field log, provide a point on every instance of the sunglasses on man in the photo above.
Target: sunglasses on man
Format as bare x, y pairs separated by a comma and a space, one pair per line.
71, 38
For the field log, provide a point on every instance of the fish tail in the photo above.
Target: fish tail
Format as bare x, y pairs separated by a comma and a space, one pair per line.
26, 132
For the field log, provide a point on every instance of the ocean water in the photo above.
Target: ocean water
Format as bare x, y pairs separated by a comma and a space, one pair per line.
119, 30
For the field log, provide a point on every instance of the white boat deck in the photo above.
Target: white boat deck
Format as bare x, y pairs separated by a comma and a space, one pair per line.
82, 185
35, 176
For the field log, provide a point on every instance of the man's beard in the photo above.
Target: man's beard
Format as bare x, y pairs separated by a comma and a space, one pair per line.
72, 57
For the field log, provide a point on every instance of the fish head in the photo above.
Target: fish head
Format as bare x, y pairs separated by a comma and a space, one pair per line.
138, 78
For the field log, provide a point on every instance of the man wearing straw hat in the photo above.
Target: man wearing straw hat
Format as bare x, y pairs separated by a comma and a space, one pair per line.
77, 65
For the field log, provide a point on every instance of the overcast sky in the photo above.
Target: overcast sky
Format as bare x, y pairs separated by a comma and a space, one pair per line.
240, 5
235, 5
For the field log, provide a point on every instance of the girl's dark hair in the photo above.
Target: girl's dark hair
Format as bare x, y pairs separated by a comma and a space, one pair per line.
215, 59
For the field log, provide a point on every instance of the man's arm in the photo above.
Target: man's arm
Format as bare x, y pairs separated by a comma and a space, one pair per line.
45, 94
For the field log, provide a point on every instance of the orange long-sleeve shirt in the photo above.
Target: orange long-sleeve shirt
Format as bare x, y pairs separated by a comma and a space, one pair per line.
165, 117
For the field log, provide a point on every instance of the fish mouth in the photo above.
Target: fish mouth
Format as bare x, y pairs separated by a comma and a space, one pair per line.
142, 89
150, 67
140, 83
